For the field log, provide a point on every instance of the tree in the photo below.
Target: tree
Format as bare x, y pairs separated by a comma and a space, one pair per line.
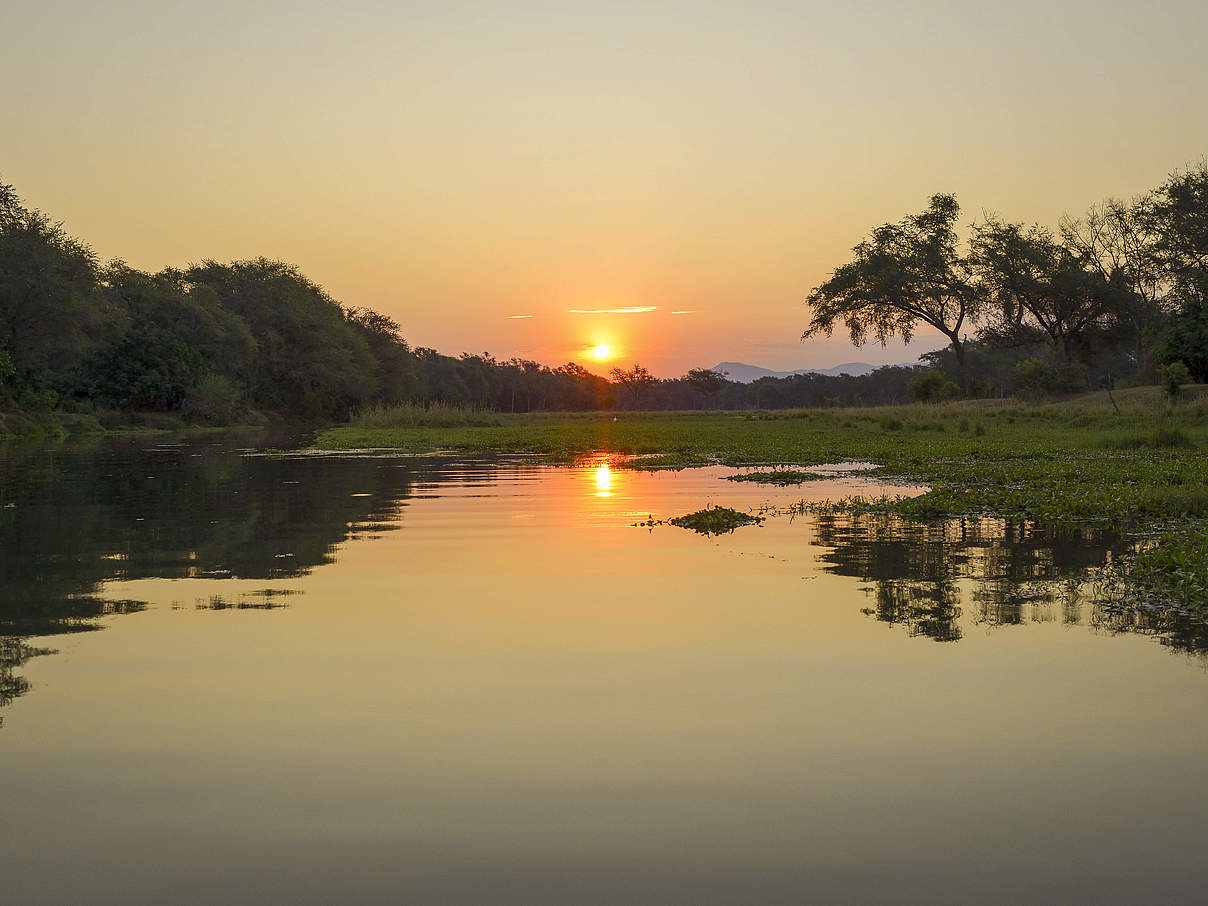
1178, 217
1116, 241
395, 372
906, 273
637, 381
1186, 339
1036, 281
311, 362
706, 382
50, 318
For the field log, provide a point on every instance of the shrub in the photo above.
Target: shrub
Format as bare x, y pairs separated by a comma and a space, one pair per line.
1035, 378
214, 401
1174, 376
931, 386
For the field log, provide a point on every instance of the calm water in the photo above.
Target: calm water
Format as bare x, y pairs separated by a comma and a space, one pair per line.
240, 678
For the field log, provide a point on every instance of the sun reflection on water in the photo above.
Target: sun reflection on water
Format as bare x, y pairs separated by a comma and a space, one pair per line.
603, 481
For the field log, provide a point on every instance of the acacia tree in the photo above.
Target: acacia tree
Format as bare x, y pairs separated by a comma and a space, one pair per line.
1116, 240
905, 274
1034, 280
637, 381
706, 382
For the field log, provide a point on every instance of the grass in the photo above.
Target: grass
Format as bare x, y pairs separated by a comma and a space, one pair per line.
1077, 462
434, 415
1073, 461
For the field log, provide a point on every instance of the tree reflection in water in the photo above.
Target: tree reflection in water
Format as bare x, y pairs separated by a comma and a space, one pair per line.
1017, 571
75, 517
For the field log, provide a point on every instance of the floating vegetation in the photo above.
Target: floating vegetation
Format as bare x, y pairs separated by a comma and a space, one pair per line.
780, 477
715, 520
1170, 574
1164, 437
262, 599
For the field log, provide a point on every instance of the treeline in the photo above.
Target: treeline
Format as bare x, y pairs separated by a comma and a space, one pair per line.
214, 342
1120, 293
1113, 296
210, 342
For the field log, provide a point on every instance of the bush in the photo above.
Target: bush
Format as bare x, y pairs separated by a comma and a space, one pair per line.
1174, 376
1035, 378
931, 386
7, 373
214, 401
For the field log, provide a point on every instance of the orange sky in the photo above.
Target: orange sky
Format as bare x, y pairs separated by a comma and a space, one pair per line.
455, 164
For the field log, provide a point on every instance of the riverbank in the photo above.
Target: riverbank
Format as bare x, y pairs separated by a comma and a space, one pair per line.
1076, 460
1135, 464
37, 427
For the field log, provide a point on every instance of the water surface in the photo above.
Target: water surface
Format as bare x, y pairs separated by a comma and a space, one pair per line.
328, 679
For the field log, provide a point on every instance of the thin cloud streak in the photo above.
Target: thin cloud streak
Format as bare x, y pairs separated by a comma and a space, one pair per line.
517, 317
632, 310
686, 311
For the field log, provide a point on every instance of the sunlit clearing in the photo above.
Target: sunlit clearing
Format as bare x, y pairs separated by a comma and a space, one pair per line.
603, 481
601, 352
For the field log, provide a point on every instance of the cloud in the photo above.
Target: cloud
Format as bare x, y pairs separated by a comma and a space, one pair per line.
632, 310
517, 317
686, 311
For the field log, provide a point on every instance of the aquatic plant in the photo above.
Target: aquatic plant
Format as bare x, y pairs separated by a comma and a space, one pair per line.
1169, 572
715, 520
778, 477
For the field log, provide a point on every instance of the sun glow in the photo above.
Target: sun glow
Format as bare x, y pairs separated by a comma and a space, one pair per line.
601, 352
603, 481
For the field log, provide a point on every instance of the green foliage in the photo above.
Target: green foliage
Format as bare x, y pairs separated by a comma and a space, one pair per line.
50, 318
215, 400
1059, 462
715, 520
311, 362
905, 274
1170, 572
434, 415
1174, 376
778, 477
930, 386
1186, 339
1165, 436
7, 372
706, 382
1035, 378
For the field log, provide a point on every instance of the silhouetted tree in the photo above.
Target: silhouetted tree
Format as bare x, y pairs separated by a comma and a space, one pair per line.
706, 382
1036, 281
637, 382
907, 273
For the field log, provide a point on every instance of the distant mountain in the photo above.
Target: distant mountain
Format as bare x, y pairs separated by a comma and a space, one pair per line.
745, 374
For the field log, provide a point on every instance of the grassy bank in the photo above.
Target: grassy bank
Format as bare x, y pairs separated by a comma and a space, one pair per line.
53, 426
1076, 462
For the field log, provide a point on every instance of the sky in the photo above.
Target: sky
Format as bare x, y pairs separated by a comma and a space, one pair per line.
457, 165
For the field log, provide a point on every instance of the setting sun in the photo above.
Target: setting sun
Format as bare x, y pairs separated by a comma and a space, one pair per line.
601, 352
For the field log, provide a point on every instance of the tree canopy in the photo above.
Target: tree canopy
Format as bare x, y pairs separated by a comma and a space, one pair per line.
906, 273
